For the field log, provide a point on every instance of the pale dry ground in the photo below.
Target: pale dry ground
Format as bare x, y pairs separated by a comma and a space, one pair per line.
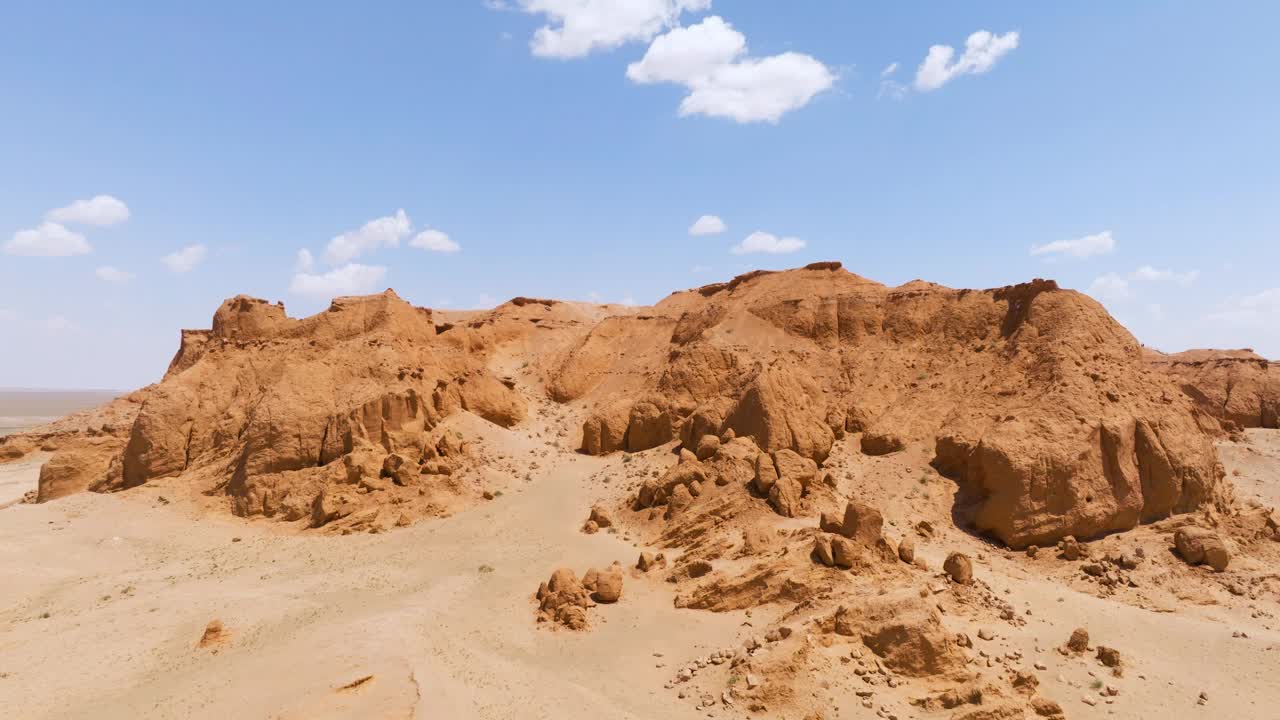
19, 477
105, 597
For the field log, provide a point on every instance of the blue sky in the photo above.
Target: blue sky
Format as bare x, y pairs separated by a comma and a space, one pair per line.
564, 148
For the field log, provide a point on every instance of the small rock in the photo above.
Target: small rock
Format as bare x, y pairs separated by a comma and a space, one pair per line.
959, 568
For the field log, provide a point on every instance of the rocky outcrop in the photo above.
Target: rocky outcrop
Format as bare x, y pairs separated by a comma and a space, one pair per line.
1033, 398
79, 465
1238, 386
904, 631
308, 417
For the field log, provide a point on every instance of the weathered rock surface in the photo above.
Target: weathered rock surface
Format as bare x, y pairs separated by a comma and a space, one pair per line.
79, 465
1034, 399
1238, 386
904, 631
1198, 545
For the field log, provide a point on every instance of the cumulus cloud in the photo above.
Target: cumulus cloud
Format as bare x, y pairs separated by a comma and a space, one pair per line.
350, 279
981, 51
577, 27
50, 239
763, 242
710, 60
98, 210
381, 232
186, 259
890, 69
435, 241
113, 274
1087, 246
707, 225
1114, 286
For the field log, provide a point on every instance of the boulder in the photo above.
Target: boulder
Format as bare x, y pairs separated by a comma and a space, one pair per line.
844, 553
822, 550
907, 550
1197, 546
766, 474
862, 523
708, 446
1079, 640
608, 585
959, 568
600, 516
784, 496
400, 470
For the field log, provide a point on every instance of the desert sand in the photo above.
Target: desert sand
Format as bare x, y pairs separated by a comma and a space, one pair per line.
169, 564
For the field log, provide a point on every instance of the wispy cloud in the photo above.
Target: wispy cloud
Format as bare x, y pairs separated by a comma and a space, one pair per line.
186, 259
1085, 247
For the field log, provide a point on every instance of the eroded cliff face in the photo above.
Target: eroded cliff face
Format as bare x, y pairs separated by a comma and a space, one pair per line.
1042, 408
1038, 403
1237, 386
283, 409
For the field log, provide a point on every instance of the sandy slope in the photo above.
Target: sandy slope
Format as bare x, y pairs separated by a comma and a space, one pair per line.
105, 598
128, 585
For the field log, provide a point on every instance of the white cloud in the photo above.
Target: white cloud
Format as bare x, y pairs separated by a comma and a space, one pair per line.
186, 259
1088, 246
981, 51
577, 27
306, 261
763, 242
350, 279
707, 225
7, 316
113, 274
50, 239
710, 60
98, 210
889, 70
381, 232
435, 241
1113, 286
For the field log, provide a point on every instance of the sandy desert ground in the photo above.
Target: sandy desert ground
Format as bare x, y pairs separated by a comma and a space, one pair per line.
107, 597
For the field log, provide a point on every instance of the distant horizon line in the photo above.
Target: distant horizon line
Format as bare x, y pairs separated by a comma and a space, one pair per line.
103, 391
